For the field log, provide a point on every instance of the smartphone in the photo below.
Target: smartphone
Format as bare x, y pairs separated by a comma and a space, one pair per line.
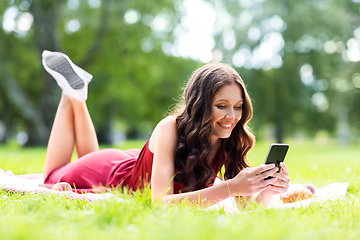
276, 154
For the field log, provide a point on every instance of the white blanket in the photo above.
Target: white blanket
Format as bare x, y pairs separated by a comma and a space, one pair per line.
33, 183
330, 192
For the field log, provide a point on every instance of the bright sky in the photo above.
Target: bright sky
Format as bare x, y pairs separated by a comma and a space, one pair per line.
194, 37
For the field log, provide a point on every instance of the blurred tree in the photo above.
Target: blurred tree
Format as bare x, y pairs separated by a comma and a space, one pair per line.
119, 42
298, 58
294, 57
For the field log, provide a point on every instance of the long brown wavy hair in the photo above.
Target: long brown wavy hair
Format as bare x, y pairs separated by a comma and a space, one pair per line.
194, 129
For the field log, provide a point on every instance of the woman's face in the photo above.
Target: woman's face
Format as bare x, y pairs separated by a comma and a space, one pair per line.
226, 110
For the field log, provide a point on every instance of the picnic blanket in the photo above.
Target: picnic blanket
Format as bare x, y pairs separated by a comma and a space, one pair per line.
33, 183
329, 192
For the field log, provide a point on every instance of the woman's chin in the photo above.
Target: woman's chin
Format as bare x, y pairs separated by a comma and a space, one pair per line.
222, 135
225, 136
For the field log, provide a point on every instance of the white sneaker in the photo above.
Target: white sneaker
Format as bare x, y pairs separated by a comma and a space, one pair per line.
72, 79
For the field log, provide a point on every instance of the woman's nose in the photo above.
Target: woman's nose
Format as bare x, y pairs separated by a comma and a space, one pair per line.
230, 114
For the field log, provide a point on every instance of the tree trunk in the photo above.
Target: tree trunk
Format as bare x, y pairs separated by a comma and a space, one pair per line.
19, 99
46, 17
4, 116
46, 30
343, 125
279, 134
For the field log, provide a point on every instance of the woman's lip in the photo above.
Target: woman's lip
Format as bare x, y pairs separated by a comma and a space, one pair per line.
226, 125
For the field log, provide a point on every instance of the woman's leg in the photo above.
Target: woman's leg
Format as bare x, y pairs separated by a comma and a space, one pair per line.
72, 126
62, 137
85, 136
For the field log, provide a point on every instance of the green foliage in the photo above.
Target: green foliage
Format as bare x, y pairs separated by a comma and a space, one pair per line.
135, 82
132, 84
280, 97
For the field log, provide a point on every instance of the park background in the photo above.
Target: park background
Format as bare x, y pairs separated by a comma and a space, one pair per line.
299, 60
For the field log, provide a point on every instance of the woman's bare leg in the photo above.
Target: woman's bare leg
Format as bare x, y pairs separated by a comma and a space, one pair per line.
85, 136
62, 137
72, 127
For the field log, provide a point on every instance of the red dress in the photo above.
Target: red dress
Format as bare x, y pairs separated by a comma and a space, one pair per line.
111, 168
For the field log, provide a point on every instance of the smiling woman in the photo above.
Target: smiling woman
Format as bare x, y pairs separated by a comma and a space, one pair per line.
185, 152
215, 101
227, 110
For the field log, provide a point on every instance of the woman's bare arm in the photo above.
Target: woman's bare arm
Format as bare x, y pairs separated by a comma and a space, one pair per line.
162, 144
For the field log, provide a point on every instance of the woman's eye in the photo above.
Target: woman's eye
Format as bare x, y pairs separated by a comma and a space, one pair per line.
238, 107
220, 106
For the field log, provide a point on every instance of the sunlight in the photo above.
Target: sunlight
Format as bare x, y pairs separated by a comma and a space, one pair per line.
73, 25
9, 20
306, 73
131, 16
320, 101
194, 38
94, 3
24, 23
73, 4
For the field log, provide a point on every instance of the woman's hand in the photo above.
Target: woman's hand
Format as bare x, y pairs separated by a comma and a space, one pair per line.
279, 186
251, 181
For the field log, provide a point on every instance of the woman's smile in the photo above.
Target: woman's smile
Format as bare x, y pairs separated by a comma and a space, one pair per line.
226, 125
226, 110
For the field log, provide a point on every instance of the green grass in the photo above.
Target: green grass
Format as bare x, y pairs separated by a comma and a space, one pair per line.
55, 217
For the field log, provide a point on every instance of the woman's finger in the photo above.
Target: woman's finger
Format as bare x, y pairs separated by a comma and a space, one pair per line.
260, 189
277, 188
263, 185
284, 168
282, 176
280, 183
264, 175
262, 168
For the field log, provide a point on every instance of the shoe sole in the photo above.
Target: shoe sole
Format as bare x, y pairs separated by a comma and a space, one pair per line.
62, 66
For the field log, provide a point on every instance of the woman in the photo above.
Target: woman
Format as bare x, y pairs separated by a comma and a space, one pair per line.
184, 153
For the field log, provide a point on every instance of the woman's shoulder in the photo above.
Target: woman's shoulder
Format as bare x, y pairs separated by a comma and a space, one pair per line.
167, 123
165, 129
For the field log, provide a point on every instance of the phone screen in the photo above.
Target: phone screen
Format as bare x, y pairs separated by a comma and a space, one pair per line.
276, 154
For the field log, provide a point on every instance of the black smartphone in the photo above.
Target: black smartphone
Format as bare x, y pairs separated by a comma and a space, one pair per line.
276, 154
